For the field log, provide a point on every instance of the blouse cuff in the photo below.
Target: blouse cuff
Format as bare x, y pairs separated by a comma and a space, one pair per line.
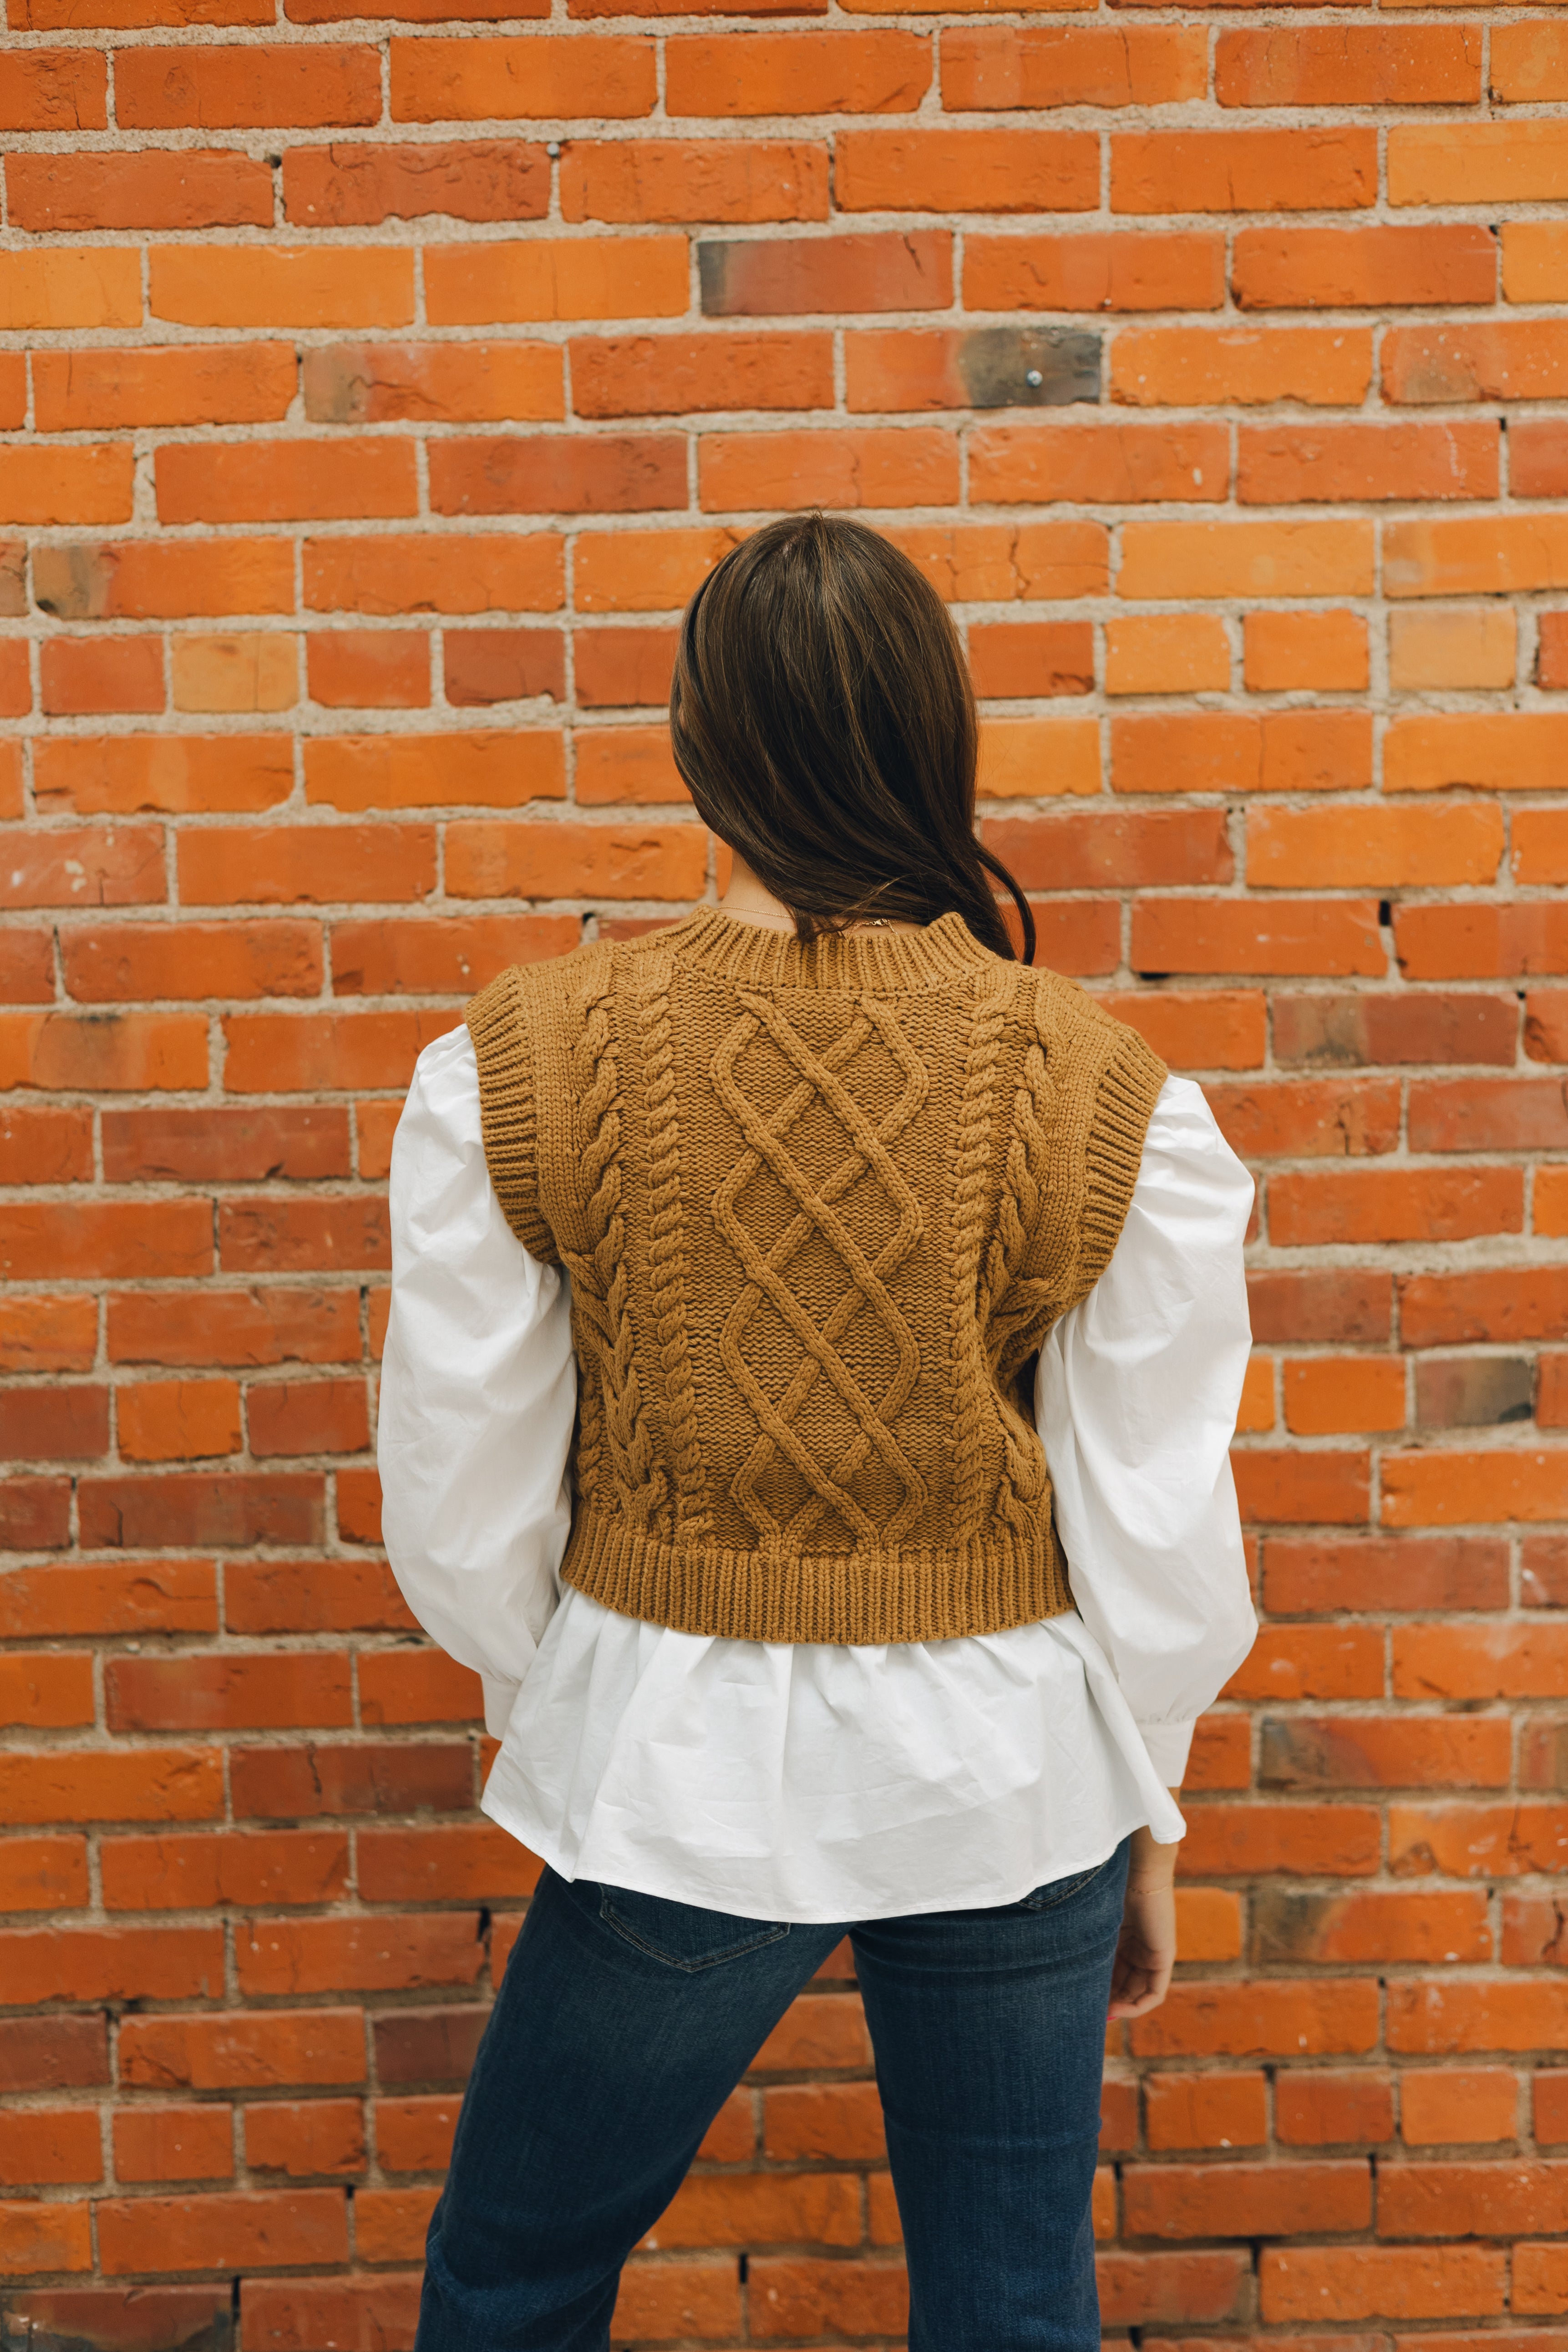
1168, 1744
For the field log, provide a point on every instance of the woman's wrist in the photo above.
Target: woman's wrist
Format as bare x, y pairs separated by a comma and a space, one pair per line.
1151, 1862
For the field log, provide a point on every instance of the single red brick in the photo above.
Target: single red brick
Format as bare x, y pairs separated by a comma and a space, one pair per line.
225, 87
147, 581
171, 1421
616, 665
53, 2052
397, 1953
157, 188
54, 1424
1205, 2110
211, 1509
1333, 168
436, 571
353, 1776
1350, 65
184, 2143
837, 72
678, 180
868, 271
1325, 2109
966, 170
284, 481
1276, 466
234, 2231
54, 89
42, 1873
386, 668
540, 75
1007, 66
467, 1861
648, 375
1380, 268
81, 675
306, 2138
558, 474
350, 187
105, 963
308, 1417
379, 384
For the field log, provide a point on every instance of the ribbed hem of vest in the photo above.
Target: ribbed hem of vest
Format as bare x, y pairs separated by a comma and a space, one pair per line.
944, 950
934, 1594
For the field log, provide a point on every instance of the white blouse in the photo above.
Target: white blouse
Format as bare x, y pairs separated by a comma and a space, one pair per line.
819, 1781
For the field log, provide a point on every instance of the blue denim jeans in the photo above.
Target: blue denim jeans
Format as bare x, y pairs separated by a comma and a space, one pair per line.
625, 2021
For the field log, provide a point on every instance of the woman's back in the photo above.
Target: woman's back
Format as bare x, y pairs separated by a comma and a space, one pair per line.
819, 1202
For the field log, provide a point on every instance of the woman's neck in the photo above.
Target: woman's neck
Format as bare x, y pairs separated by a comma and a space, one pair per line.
750, 901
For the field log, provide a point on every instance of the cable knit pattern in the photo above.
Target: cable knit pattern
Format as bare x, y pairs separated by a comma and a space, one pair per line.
819, 1206
667, 1250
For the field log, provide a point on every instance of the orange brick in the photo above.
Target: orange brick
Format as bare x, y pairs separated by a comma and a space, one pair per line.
1094, 271
1477, 162
81, 675
1350, 65
776, 276
1507, 359
1369, 848
867, 468
544, 75
625, 764
1008, 66
71, 285
174, 2143
1339, 269
647, 376
1283, 750
966, 170
255, 670
1496, 751
470, 384
94, 391
74, 485
1286, 652
1328, 558
1474, 645
478, 768
1209, 367
1035, 759
694, 180
54, 89
1530, 61
1329, 169
1447, 1489
1329, 1396
1206, 2110
983, 367
1031, 658
284, 481
124, 1052
384, 668
568, 860
1111, 465
555, 474
174, 1420
556, 278
350, 187
735, 72
436, 571
225, 87
1285, 465
154, 189
141, 581
1446, 2106
1534, 257
122, 773
1166, 653
283, 286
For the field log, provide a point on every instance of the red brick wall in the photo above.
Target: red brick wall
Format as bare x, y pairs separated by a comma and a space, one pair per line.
389, 390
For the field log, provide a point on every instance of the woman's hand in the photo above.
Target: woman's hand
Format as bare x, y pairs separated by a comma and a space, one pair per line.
1146, 1947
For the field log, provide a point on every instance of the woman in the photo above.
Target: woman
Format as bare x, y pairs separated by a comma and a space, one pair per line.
816, 1336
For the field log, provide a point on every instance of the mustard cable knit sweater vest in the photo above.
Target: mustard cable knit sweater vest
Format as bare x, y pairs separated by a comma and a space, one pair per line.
819, 1206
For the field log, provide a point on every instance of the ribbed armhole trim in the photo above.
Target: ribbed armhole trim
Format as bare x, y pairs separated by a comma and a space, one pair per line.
508, 1111
1123, 1105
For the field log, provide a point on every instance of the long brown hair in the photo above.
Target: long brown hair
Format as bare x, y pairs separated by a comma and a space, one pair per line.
822, 720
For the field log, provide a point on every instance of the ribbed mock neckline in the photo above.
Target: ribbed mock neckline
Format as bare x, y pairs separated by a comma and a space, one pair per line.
870, 959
